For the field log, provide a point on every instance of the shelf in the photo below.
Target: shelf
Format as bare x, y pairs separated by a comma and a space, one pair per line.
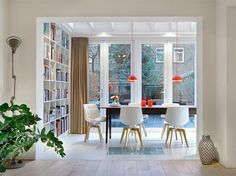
56, 43
53, 61
55, 68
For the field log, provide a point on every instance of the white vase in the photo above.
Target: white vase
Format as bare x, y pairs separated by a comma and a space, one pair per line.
206, 150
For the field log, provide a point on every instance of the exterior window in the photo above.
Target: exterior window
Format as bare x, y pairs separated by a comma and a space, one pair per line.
119, 70
178, 55
159, 55
94, 73
184, 92
153, 72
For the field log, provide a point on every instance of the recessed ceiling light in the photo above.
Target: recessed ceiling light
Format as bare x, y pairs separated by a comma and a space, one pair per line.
103, 34
169, 34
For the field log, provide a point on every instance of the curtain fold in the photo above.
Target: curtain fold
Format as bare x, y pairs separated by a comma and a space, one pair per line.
79, 84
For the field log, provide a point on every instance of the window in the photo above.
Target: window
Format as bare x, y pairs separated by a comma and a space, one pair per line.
94, 73
119, 70
153, 72
159, 55
184, 92
178, 55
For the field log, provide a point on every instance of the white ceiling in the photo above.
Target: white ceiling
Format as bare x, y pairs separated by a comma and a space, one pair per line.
124, 29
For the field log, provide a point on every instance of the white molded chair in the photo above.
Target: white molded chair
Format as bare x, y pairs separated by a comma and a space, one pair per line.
145, 117
132, 117
166, 125
93, 119
177, 117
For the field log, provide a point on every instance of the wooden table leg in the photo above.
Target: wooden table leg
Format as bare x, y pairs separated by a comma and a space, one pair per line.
107, 121
110, 126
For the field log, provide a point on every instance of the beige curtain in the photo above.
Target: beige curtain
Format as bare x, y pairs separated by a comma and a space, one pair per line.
79, 82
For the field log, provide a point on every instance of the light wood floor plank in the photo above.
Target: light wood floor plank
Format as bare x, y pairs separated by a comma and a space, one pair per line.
156, 168
120, 168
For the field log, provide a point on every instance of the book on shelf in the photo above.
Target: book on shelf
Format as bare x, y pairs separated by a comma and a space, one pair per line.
58, 94
58, 127
58, 111
58, 74
67, 109
46, 95
63, 110
58, 35
52, 74
66, 123
53, 52
47, 50
53, 31
46, 29
45, 116
58, 56
52, 113
52, 127
46, 72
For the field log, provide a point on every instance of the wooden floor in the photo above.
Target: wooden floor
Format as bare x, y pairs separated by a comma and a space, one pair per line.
120, 168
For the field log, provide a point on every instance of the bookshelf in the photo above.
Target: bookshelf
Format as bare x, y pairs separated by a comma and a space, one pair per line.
56, 85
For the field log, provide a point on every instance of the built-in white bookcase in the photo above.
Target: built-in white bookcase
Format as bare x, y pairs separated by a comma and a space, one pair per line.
56, 77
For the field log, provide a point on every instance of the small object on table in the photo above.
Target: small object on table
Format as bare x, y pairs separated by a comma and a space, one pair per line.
150, 103
143, 103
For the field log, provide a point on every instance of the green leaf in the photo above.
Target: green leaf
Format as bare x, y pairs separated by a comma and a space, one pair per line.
43, 131
4, 107
50, 135
2, 168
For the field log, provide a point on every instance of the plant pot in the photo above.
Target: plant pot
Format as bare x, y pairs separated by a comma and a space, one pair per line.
206, 150
13, 164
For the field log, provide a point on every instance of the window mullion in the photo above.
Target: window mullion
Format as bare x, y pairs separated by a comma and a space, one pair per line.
168, 73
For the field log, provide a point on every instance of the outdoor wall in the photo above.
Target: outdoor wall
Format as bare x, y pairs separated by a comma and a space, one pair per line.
3, 50
225, 81
22, 22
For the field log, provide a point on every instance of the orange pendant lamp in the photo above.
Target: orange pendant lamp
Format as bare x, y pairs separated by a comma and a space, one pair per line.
132, 78
177, 78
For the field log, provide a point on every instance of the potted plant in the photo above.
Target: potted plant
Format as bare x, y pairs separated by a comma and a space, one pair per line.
18, 133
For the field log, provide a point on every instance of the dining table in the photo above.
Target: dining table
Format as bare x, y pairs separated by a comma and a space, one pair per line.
154, 110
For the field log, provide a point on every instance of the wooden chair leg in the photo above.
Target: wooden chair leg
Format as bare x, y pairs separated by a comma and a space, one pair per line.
167, 135
180, 133
171, 133
185, 138
87, 133
100, 133
122, 135
140, 137
165, 128
126, 136
135, 136
176, 137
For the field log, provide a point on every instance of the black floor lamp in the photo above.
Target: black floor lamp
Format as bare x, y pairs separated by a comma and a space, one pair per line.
14, 43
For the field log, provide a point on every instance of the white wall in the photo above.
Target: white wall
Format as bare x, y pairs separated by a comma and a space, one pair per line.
3, 51
22, 22
225, 81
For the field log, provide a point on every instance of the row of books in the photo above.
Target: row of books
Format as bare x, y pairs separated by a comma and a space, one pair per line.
56, 55
61, 126
49, 74
55, 112
62, 76
65, 40
61, 93
55, 94
62, 110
